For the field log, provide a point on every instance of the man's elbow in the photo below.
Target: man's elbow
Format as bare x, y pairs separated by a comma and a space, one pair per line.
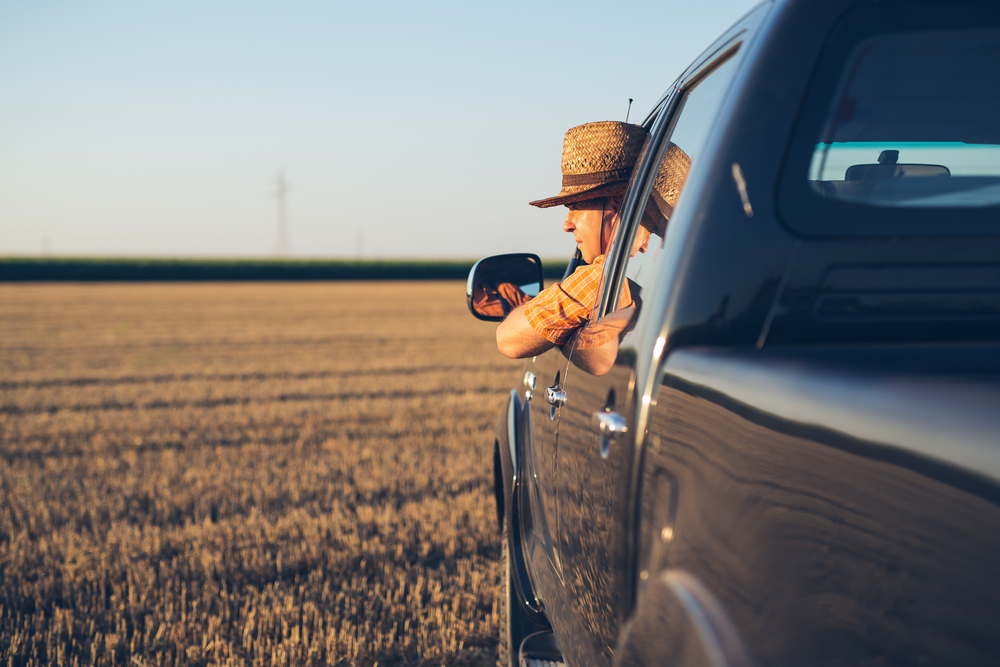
597, 361
510, 347
600, 366
519, 344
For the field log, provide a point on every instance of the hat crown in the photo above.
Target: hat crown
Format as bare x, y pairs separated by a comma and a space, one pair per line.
597, 161
673, 171
603, 146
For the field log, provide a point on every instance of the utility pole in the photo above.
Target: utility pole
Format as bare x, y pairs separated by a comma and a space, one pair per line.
280, 192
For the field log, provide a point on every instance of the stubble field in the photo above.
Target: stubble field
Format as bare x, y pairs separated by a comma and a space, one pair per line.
247, 474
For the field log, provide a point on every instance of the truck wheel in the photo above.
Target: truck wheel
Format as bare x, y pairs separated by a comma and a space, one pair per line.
503, 646
514, 627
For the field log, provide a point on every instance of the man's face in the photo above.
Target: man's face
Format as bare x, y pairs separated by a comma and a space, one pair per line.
586, 221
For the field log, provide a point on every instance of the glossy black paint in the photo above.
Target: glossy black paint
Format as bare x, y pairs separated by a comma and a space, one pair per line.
842, 504
511, 496
812, 471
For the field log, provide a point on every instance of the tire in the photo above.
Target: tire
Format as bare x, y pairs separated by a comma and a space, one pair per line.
504, 658
515, 624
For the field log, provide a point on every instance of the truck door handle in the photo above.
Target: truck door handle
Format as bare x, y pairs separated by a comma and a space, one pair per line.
609, 424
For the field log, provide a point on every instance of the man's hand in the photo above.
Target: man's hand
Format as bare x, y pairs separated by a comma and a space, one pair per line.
597, 344
610, 327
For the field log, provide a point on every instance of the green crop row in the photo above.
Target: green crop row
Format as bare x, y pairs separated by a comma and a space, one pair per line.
29, 269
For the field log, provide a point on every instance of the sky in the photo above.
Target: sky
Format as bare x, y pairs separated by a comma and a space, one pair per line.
403, 130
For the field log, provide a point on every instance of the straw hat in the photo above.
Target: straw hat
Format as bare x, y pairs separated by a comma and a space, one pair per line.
597, 161
669, 179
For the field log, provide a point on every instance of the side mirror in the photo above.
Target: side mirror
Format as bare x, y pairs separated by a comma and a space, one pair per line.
500, 283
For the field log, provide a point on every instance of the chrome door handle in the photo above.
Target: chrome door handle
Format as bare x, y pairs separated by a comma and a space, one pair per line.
555, 396
609, 424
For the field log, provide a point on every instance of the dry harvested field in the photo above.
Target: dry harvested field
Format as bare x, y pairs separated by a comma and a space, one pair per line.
247, 474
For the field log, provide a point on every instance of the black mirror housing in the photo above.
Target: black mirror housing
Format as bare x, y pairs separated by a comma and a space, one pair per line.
500, 283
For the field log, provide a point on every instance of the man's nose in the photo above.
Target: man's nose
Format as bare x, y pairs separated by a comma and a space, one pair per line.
568, 225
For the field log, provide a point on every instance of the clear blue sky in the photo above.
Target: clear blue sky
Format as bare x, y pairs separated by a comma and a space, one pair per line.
404, 129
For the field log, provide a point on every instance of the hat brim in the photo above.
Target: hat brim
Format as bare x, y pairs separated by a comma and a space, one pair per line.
563, 198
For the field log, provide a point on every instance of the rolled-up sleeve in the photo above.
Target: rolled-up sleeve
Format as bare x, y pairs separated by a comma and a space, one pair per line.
562, 309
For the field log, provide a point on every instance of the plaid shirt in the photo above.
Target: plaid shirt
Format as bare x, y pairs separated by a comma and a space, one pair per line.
560, 310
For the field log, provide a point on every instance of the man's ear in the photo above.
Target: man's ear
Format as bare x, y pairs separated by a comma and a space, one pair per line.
612, 204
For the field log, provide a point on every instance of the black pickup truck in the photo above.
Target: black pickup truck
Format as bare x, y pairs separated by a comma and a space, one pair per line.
795, 459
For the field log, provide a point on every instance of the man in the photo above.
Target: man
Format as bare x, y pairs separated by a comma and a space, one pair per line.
597, 162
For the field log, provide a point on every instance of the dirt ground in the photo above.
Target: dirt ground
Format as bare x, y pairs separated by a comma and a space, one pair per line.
247, 474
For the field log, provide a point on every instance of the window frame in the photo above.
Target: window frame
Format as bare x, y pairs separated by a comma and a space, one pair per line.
641, 184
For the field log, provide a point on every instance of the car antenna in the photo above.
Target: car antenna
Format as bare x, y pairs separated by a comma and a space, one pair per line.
629, 109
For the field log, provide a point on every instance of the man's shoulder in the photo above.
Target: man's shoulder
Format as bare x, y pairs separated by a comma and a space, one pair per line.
580, 286
586, 273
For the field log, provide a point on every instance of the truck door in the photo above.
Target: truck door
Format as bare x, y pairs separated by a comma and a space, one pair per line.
595, 476
544, 397
544, 381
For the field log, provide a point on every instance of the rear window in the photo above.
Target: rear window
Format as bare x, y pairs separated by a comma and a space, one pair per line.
915, 123
899, 123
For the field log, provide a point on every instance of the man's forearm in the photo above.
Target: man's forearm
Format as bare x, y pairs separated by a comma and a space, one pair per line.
598, 358
517, 339
595, 360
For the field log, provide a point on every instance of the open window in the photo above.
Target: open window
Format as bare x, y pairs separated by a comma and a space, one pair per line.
684, 132
677, 140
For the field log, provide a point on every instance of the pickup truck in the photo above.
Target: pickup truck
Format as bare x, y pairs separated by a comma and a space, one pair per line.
795, 458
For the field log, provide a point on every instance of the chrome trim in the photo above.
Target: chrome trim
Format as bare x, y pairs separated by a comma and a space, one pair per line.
555, 396
530, 380
609, 425
512, 405
468, 283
